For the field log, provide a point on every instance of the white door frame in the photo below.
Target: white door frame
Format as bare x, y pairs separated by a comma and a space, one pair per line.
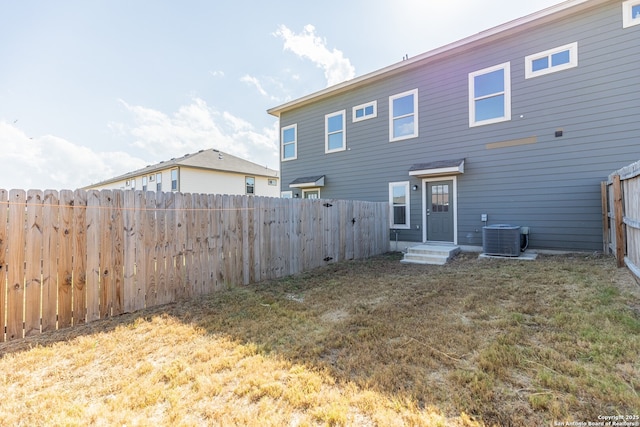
453, 178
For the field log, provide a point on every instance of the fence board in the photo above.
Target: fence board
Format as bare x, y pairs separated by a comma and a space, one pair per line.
49, 260
93, 255
170, 220
129, 279
161, 248
15, 279
74, 210
4, 216
117, 254
140, 272
180, 247
33, 265
106, 238
149, 236
72, 257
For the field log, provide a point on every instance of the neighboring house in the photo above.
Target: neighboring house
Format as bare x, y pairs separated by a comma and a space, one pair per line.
520, 123
207, 171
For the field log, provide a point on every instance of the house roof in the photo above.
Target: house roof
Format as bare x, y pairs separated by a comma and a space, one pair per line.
439, 167
308, 181
210, 159
554, 12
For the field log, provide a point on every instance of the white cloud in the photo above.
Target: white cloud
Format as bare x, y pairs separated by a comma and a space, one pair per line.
307, 45
254, 82
198, 126
51, 162
217, 73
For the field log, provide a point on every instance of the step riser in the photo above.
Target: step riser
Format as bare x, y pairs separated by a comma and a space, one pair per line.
427, 255
431, 252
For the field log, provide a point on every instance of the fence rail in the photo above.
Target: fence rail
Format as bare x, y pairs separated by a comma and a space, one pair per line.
71, 257
621, 216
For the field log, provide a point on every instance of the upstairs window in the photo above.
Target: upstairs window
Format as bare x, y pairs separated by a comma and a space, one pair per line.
365, 111
272, 182
335, 137
399, 204
250, 185
144, 183
630, 13
159, 182
174, 179
490, 95
403, 116
552, 60
289, 142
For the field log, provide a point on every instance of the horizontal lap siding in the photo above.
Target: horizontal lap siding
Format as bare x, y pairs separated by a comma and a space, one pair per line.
552, 186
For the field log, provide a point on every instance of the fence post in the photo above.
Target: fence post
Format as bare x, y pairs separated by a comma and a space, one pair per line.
605, 217
618, 211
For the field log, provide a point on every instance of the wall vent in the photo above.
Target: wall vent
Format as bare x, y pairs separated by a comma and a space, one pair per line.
501, 240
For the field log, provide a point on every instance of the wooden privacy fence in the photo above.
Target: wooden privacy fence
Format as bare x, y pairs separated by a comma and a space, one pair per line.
71, 257
621, 216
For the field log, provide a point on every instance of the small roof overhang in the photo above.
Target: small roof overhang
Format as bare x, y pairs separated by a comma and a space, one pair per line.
308, 182
439, 168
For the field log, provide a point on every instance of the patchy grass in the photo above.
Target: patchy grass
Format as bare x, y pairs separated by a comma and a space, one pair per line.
375, 342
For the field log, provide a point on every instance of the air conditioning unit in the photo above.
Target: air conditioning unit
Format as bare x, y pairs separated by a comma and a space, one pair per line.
501, 240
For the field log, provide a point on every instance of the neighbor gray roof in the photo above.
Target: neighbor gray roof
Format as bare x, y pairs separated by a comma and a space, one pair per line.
210, 159
553, 12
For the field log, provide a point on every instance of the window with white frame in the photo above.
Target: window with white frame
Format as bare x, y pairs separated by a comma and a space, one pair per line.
403, 115
630, 13
273, 182
552, 60
174, 179
289, 139
311, 193
399, 204
490, 95
365, 111
159, 182
250, 185
286, 194
144, 183
335, 138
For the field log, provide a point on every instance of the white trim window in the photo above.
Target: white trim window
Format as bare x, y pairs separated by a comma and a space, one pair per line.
552, 60
289, 138
174, 180
365, 111
335, 136
630, 13
311, 193
250, 185
403, 115
159, 181
144, 183
399, 205
490, 95
286, 194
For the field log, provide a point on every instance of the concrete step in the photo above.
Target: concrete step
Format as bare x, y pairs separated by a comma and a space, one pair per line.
435, 254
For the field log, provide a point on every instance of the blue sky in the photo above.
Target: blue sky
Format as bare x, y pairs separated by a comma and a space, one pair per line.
94, 89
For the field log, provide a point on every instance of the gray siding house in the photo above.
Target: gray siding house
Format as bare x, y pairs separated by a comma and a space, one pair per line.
516, 125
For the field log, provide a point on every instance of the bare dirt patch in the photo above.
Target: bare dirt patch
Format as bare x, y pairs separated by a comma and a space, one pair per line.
374, 342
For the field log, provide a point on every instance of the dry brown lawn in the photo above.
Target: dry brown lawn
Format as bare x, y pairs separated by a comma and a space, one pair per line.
365, 343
